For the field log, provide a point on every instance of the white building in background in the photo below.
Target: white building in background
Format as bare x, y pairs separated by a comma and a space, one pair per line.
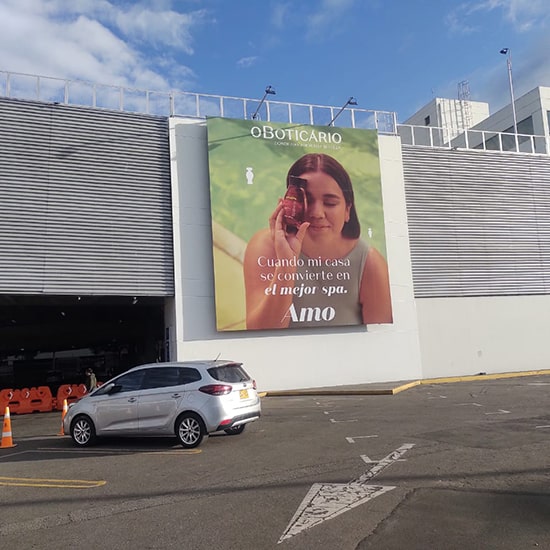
532, 114
453, 115
468, 124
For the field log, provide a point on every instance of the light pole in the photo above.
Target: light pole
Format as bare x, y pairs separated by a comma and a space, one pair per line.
508, 53
268, 90
350, 101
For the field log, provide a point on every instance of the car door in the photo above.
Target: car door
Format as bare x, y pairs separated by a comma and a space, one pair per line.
117, 411
162, 392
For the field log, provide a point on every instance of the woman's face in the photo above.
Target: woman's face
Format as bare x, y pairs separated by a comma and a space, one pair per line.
327, 211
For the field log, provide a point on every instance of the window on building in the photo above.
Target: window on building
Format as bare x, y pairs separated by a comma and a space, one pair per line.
427, 120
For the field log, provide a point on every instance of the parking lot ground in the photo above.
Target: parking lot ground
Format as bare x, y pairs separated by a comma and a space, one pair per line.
436, 466
458, 519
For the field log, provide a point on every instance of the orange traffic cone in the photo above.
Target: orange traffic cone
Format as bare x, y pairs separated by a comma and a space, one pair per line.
65, 409
7, 440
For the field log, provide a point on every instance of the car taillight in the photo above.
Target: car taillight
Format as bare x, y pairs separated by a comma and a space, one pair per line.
216, 389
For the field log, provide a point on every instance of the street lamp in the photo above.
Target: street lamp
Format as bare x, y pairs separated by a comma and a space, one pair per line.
508, 53
268, 91
350, 101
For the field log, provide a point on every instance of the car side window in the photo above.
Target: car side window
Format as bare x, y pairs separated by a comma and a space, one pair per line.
189, 375
229, 373
161, 377
131, 381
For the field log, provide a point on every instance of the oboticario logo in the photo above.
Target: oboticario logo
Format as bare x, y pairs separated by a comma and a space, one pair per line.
295, 134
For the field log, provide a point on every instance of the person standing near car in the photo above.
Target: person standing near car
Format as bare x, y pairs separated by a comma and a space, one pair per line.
91, 380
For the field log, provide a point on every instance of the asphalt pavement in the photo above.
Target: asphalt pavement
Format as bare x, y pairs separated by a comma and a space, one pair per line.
411, 465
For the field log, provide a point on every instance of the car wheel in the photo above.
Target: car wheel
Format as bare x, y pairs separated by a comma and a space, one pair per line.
190, 430
83, 431
235, 430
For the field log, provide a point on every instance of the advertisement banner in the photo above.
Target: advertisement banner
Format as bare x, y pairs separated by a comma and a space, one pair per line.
298, 226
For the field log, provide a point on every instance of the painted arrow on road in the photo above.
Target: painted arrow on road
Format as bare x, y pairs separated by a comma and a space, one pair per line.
325, 501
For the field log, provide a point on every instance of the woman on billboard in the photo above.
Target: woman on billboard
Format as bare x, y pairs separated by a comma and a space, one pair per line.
310, 268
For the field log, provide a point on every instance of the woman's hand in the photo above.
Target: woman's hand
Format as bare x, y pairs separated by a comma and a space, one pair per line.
287, 245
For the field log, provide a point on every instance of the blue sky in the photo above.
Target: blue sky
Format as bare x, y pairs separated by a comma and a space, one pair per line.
393, 55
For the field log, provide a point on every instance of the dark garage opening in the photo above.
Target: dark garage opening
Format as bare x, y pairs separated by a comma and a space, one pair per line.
51, 341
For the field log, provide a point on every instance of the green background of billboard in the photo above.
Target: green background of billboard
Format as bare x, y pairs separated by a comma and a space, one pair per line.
243, 209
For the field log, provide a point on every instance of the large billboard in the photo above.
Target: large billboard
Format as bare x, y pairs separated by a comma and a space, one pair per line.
298, 226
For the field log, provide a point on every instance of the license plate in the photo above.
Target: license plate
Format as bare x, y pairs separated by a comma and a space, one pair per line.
243, 394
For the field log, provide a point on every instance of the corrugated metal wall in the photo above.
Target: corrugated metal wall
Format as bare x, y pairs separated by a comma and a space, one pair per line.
85, 203
479, 222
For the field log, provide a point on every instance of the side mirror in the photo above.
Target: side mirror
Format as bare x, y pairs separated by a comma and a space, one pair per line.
114, 389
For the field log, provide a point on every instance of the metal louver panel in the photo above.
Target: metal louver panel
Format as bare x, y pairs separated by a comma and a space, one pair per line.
85, 203
479, 222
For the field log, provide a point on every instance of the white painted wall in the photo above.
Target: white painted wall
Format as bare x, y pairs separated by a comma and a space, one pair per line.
466, 336
294, 358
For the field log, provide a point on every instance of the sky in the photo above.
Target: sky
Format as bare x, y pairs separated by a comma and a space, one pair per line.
390, 55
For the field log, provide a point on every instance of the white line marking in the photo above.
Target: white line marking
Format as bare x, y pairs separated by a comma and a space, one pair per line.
474, 404
352, 439
537, 427
439, 397
339, 421
327, 500
500, 411
367, 460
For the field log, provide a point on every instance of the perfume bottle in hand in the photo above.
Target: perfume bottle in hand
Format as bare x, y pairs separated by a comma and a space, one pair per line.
294, 204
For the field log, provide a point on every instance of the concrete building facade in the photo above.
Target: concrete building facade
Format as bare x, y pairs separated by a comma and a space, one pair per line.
106, 243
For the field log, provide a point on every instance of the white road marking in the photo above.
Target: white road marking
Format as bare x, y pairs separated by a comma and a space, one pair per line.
352, 439
367, 460
325, 501
500, 411
537, 427
474, 404
339, 421
438, 397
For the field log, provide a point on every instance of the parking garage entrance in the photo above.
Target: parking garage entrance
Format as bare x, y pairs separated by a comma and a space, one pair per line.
50, 341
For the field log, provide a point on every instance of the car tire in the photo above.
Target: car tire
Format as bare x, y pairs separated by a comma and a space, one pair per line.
83, 431
235, 430
190, 430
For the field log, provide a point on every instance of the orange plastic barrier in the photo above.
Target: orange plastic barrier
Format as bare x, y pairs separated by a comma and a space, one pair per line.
70, 392
41, 399
24, 402
6, 395
80, 390
16, 401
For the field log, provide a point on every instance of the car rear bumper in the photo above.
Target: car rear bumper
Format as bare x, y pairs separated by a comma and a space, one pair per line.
238, 420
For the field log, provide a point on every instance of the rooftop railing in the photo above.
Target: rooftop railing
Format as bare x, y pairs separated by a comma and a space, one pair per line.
187, 104
485, 140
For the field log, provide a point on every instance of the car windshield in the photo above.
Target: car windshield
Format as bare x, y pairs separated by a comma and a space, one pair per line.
229, 373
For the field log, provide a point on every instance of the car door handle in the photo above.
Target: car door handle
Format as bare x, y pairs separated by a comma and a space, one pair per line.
131, 399
176, 395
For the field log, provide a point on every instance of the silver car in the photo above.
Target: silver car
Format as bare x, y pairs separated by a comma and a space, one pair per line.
187, 399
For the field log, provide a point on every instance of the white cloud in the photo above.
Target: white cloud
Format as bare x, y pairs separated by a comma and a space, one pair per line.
160, 28
326, 17
98, 40
280, 14
523, 15
246, 62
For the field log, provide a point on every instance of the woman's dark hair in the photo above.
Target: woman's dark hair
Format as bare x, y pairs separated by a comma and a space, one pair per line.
319, 162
